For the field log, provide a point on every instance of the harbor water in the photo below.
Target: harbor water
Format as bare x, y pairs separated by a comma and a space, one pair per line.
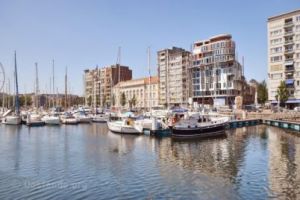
88, 162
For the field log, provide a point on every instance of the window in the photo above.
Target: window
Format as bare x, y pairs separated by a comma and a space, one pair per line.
276, 58
276, 50
298, 18
276, 41
276, 32
276, 76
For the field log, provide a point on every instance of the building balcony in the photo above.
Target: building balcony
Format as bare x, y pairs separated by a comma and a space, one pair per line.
288, 33
289, 61
289, 69
287, 42
289, 51
288, 24
289, 81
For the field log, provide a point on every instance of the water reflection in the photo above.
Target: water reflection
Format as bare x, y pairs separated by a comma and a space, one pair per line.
284, 163
249, 163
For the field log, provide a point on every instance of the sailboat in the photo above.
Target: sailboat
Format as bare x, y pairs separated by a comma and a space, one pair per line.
14, 119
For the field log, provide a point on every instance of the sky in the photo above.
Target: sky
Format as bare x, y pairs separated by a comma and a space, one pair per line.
83, 34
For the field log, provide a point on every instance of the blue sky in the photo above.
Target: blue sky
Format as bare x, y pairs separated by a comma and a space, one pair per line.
83, 34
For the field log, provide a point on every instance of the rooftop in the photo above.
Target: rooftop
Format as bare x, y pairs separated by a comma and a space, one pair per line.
283, 15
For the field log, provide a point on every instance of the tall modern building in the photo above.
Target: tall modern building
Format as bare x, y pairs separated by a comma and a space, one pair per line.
284, 55
100, 81
217, 77
173, 76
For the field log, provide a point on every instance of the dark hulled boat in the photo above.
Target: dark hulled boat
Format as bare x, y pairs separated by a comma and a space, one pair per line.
210, 128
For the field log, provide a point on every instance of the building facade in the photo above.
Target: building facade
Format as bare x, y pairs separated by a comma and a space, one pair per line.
173, 76
145, 91
284, 55
100, 81
217, 77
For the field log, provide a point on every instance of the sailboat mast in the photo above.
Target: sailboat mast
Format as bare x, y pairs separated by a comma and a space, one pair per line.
149, 68
17, 103
53, 86
118, 64
37, 90
66, 89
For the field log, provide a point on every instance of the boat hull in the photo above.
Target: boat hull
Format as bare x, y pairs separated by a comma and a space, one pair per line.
35, 124
12, 120
53, 121
199, 132
85, 120
70, 121
116, 127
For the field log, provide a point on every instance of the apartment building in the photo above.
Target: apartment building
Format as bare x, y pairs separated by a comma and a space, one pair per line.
173, 76
99, 83
217, 77
145, 91
284, 55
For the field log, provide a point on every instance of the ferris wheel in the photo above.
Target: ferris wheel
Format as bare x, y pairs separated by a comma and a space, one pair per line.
2, 77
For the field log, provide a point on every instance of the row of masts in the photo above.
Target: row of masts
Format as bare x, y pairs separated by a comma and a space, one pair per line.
52, 102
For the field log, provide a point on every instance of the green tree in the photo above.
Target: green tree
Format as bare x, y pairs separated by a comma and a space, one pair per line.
133, 101
113, 100
262, 92
89, 101
104, 100
22, 100
98, 100
123, 99
28, 100
282, 93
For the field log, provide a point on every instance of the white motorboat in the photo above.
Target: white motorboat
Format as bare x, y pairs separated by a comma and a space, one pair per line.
69, 119
82, 117
34, 119
126, 126
12, 120
51, 120
100, 118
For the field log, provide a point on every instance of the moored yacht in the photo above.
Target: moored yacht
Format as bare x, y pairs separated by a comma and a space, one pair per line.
34, 119
126, 126
51, 119
82, 117
68, 118
204, 126
100, 118
12, 120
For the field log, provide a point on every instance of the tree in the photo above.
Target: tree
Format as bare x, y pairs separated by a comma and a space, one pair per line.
282, 93
89, 101
123, 99
113, 100
262, 92
98, 100
104, 100
133, 101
